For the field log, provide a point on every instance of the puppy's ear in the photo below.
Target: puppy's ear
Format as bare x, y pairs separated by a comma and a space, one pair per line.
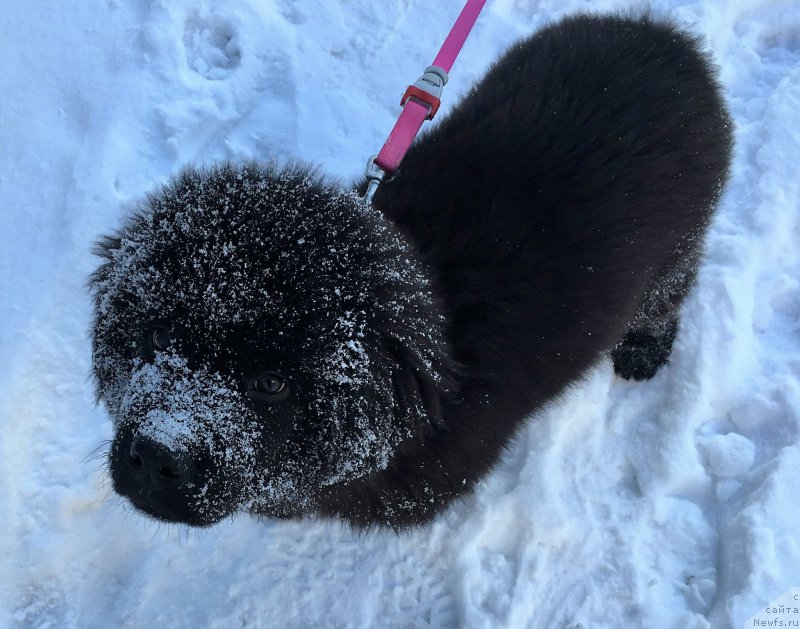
418, 389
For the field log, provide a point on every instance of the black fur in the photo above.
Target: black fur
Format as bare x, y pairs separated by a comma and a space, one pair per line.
555, 215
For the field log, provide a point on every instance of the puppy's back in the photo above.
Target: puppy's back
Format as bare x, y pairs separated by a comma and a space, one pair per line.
557, 190
588, 110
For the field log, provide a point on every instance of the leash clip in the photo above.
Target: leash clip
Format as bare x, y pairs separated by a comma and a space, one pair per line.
375, 175
427, 90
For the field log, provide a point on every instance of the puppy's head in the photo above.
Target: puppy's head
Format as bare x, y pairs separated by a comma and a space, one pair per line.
260, 338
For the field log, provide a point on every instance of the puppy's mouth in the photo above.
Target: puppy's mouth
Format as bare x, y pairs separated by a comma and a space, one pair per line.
166, 511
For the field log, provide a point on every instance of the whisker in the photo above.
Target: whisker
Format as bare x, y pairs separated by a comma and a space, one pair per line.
94, 454
99, 468
102, 455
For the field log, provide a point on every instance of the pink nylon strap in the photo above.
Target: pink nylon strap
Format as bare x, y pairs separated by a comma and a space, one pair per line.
458, 34
414, 113
401, 136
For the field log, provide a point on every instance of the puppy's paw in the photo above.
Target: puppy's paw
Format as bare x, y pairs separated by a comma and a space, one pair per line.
639, 354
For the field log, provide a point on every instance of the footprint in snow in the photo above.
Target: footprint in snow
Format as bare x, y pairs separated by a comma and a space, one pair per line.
417, 594
43, 606
212, 47
787, 38
777, 37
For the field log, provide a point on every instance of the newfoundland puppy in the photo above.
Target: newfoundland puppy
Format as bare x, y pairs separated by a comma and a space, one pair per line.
266, 340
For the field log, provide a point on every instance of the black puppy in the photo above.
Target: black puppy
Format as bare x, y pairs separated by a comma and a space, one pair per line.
264, 340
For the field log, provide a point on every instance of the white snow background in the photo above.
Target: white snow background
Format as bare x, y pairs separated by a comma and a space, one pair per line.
669, 503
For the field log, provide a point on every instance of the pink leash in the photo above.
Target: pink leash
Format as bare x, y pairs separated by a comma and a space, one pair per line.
421, 100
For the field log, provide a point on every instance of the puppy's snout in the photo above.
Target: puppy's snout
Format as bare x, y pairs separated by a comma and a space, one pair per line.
155, 465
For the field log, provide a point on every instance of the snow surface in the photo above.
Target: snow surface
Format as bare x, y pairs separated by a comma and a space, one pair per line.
671, 503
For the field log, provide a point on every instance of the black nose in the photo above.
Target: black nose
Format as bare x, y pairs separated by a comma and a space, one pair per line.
155, 465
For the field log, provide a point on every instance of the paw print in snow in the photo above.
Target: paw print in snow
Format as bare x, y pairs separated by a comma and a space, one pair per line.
211, 45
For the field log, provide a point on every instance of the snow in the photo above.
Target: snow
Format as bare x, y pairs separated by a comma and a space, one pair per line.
730, 455
671, 503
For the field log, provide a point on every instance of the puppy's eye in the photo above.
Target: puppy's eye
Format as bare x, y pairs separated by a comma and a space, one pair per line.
268, 386
162, 338
159, 336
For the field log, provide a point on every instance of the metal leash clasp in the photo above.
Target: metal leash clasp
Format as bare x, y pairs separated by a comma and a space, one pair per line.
375, 175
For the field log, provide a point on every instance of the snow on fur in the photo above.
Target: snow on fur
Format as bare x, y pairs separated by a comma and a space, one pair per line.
252, 237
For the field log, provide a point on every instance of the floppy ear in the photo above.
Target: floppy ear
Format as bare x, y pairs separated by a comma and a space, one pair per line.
418, 389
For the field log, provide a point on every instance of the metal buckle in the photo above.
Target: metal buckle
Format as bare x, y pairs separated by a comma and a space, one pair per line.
375, 175
427, 90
